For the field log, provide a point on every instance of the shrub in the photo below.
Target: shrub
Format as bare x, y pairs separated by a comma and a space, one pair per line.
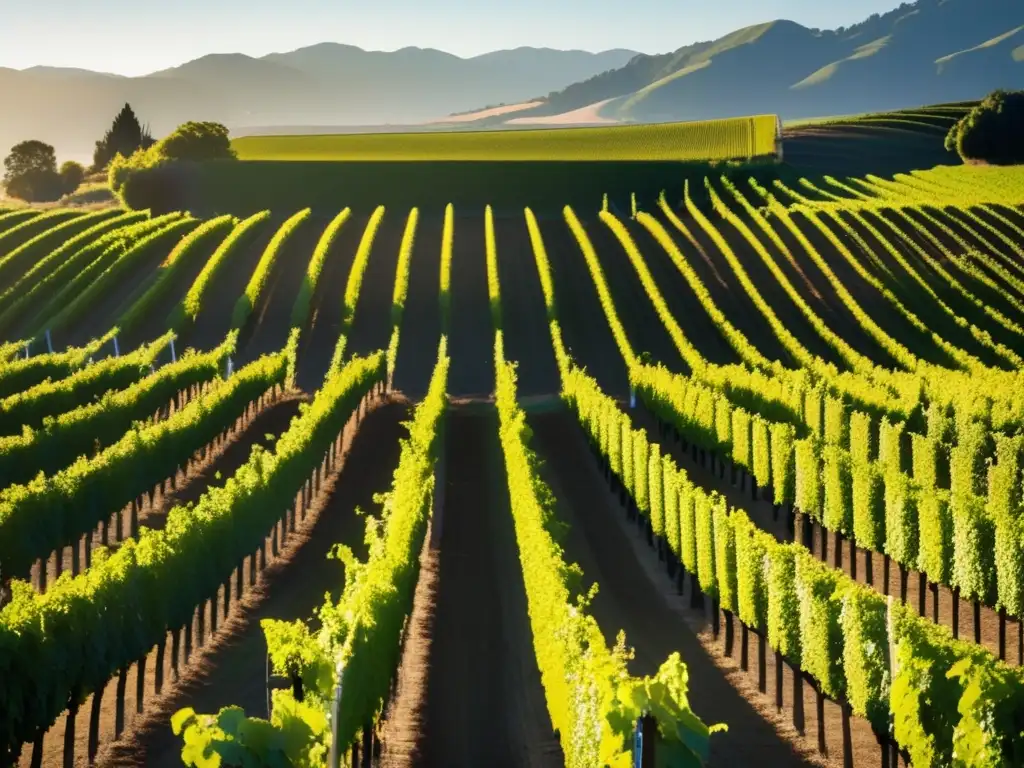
31, 172
156, 178
71, 176
991, 131
197, 141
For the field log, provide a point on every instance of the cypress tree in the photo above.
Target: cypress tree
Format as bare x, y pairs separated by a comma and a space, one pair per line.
124, 136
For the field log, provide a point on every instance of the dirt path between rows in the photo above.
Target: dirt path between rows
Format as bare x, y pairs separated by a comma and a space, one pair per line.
472, 335
479, 702
635, 596
218, 304
421, 319
316, 346
232, 668
270, 323
524, 316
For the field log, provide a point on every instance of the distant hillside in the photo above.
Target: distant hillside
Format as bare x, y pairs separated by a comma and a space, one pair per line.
322, 84
925, 52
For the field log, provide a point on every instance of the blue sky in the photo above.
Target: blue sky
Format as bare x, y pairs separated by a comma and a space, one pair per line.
134, 37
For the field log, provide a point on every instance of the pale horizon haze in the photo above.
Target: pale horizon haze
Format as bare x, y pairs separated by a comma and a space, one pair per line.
135, 37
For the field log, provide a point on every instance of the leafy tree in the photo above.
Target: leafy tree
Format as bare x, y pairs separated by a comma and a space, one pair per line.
157, 177
125, 136
31, 172
993, 131
71, 175
197, 141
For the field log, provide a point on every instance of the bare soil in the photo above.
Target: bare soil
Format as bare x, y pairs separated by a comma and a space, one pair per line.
155, 322
644, 329
270, 323
471, 343
472, 696
586, 334
421, 319
685, 307
371, 326
524, 316
316, 345
214, 319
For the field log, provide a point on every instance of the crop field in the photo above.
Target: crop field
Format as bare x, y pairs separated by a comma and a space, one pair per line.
731, 139
349, 478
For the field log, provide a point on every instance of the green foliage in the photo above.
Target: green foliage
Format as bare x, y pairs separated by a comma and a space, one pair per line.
182, 256
86, 429
402, 272
862, 447
71, 176
185, 314
31, 172
838, 502
990, 733
935, 556
1004, 508
249, 300
868, 506
136, 179
593, 701
33, 407
704, 509
21, 259
866, 665
783, 600
51, 512
751, 588
353, 284
25, 372
82, 630
303, 302
197, 141
901, 519
656, 490
809, 492
783, 465
688, 494
118, 258
742, 453
724, 536
973, 544
762, 452
821, 635
640, 468
295, 653
231, 739
670, 479
924, 700
991, 131
124, 137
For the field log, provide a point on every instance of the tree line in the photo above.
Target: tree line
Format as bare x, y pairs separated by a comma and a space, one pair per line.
32, 174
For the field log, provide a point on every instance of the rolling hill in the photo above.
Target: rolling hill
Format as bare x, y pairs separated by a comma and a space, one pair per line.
925, 52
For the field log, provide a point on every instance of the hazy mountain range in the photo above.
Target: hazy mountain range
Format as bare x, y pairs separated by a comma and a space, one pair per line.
925, 52
322, 84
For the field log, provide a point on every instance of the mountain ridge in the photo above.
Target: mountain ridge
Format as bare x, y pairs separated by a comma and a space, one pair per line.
928, 51
904, 57
326, 83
